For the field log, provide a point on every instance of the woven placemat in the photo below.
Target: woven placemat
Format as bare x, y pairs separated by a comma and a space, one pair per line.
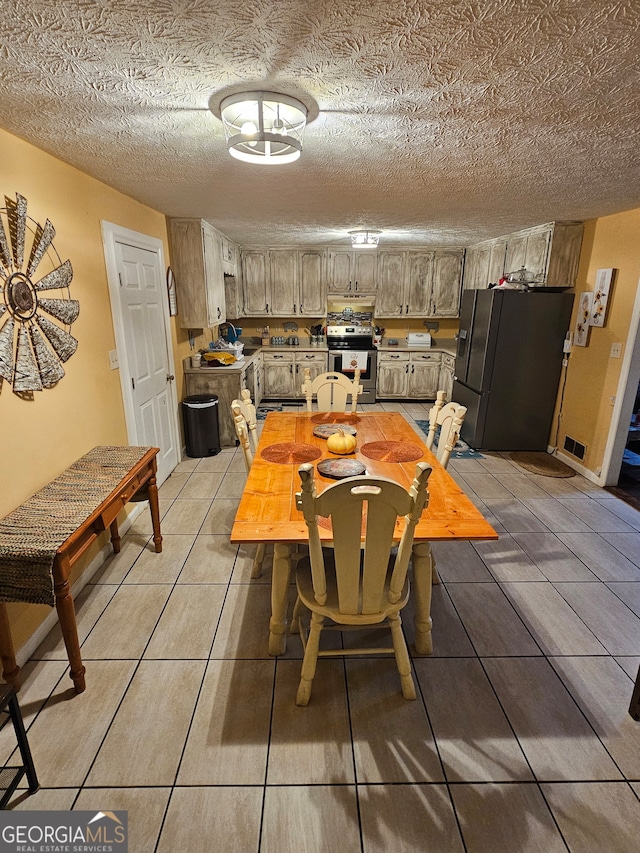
542, 463
286, 454
392, 451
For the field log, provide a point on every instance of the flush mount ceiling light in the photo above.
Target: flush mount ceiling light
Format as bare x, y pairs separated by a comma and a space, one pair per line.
263, 127
367, 239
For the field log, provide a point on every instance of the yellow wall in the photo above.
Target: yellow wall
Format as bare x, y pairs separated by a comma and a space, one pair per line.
39, 438
592, 375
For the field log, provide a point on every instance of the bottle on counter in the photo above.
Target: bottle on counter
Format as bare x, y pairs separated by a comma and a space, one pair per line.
265, 337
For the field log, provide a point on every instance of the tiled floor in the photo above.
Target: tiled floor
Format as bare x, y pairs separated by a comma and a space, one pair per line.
519, 741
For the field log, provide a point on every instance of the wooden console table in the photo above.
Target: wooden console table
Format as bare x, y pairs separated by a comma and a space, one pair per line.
42, 539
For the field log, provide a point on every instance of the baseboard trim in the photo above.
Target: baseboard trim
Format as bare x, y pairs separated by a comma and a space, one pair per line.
586, 473
26, 651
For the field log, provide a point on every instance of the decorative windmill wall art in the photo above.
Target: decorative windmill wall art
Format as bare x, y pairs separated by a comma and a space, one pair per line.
34, 283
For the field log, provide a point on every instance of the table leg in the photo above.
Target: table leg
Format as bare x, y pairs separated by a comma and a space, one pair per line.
155, 514
279, 598
115, 536
10, 669
422, 570
67, 618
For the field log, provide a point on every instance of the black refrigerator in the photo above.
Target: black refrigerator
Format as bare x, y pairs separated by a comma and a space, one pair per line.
508, 366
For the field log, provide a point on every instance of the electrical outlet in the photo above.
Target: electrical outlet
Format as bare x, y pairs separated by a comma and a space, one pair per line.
113, 359
616, 351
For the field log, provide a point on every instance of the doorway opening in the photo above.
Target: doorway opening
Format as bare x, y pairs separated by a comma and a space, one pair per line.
622, 455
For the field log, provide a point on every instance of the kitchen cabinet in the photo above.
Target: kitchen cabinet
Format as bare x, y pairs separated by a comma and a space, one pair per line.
419, 283
446, 375
551, 251
410, 375
424, 375
284, 372
312, 283
254, 282
233, 297
279, 374
284, 282
393, 375
196, 260
226, 384
352, 272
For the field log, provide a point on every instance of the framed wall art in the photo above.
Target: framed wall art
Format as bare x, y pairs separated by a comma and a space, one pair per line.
36, 311
585, 306
604, 278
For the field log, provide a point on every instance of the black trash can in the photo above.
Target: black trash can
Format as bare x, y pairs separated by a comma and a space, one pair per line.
201, 428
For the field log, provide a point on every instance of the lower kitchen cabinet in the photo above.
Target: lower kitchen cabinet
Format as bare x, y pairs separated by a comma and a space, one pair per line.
226, 385
411, 375
393, 375
446, 375
284, 372
424, 375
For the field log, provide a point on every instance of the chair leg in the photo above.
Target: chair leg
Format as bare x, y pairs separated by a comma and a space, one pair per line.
402, 657
256, 569
310, 660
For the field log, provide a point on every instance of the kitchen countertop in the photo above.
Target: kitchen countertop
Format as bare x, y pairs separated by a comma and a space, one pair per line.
446, 345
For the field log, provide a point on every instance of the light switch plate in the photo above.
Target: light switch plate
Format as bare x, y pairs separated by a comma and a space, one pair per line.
113, 359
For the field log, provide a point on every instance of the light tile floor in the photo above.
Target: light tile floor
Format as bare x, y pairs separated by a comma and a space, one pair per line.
519, 741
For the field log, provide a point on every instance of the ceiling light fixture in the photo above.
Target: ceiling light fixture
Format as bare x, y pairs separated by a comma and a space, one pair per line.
367, 239
263, 127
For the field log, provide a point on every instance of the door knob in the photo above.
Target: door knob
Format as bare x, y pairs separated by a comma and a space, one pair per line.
170, 377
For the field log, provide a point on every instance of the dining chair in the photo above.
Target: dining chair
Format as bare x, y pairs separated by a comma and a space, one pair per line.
356, 584
331, 391
447, 417
245, 423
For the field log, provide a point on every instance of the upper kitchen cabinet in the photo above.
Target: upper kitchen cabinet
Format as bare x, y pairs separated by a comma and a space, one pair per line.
447, 283
419, 283
196, 260
352, 272
312, 280
550, 251
284, 282
484, 264
255, 282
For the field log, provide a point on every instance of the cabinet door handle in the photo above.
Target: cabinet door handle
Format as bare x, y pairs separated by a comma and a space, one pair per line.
356, 285
278, 356
413, 368
406, 370
267, 307
219, 313
295, 308
300, 306
291, 368
407, 309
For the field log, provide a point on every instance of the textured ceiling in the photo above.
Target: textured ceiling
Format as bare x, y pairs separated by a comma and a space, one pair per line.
440, 122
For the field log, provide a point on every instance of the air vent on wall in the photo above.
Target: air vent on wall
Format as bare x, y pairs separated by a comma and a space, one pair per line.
575, 448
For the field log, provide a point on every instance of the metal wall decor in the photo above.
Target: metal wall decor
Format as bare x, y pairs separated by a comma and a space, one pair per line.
33, 347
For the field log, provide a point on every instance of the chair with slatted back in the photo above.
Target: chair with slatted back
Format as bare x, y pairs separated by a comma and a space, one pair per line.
331, 391
244, 421
448, 418
356, 584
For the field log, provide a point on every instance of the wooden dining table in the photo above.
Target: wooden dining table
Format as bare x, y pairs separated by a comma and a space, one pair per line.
387, 446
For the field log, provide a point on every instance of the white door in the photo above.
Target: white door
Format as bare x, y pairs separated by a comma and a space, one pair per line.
140, 308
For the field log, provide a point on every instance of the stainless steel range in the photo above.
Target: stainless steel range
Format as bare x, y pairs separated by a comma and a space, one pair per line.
350, 342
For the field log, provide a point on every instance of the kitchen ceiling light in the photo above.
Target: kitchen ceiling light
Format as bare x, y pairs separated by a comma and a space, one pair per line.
263, 127
365, 239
